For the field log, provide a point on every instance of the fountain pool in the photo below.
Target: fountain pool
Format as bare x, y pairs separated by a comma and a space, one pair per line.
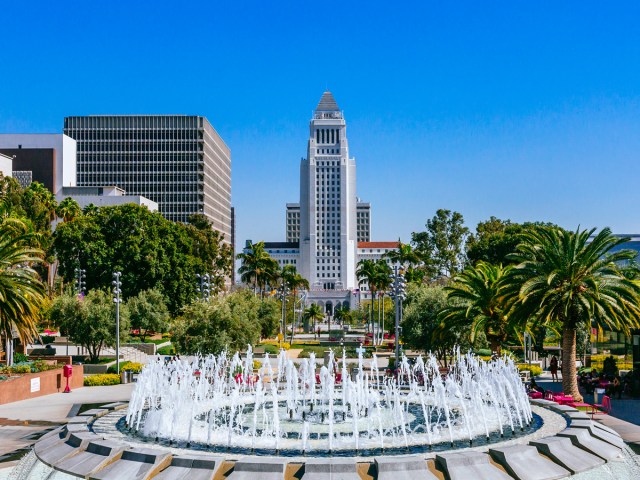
221, 403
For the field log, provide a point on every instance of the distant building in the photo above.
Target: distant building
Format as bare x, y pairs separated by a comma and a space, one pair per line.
363, 221
104, 197
373, 251
48, 158
324, 228
6, 165
293, 222
178, 161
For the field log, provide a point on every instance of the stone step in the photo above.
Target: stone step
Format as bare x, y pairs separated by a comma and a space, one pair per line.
562, 451
191, 467
469, 466
330, 469
263, 468
598, 432
523, 462
98, 454
582, 438
138, 464
403, 468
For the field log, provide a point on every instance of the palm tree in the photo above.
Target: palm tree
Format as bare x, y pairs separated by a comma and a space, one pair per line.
367, 272
383, 282
565, 278
313, 313
293, 281
409, 259
475, 298
21, 291
68, 209
257, 267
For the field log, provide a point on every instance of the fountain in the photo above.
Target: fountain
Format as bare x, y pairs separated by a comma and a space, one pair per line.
219, 403
213, 414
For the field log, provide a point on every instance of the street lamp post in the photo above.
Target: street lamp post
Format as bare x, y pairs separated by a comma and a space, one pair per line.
116, 298
204, 285
398, 292
81, 275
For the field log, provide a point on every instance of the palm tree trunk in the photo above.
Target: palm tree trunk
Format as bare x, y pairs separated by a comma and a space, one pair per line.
569, 380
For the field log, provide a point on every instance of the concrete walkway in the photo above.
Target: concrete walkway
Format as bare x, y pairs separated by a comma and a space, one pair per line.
23, 422
625, 413
56, 407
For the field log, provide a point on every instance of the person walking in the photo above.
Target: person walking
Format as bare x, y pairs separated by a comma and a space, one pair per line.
553, 367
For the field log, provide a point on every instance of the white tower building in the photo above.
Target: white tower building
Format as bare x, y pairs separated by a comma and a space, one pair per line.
328, 240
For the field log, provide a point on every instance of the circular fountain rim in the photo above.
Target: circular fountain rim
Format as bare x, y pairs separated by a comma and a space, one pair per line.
552, 423
557, 419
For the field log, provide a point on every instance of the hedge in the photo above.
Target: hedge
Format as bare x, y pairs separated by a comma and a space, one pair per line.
102, 380
133, 366
534, 369
168, 350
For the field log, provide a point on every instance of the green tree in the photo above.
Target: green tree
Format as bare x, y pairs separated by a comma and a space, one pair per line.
294, 282
441, 246
223, 323
40, 206
408, 259
21, 292
68, 209
257, 267
422, 326
151, 252
90, 321
269, 317
565, 278
495, 240
475, 298
367, 272
313, 313
148, 312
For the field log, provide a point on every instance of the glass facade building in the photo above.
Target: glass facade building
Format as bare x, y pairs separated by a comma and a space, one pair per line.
178, 161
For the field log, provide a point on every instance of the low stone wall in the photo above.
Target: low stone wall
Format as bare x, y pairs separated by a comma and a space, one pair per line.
38, 384
146, 348
90, 369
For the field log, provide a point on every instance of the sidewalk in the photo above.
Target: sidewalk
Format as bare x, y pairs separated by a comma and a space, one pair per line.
625, 413
21, 423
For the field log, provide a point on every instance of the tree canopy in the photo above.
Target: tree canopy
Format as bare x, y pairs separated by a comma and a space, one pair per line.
440, 246
223, 323
148, 312
90, 321
151, 252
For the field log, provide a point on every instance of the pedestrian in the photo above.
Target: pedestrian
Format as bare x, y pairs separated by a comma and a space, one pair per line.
553, 367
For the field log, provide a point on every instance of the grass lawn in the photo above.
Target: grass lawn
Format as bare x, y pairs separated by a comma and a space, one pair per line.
101, 360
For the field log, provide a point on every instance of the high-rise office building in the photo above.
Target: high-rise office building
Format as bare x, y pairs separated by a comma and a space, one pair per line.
329, 230
363, 222
328, 202
178, 161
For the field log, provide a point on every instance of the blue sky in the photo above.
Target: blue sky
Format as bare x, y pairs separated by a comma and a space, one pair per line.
522, 110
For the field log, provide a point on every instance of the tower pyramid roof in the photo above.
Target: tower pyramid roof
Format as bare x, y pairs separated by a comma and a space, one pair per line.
327, 103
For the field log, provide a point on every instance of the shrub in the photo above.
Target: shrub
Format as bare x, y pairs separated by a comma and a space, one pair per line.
21, 369
168, 350
47, 339
534, 369
483, 352
257, 365
285, 345
102, 380
133, 366
20, 358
